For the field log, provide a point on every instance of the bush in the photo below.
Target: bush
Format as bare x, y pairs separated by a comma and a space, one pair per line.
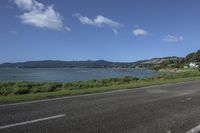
114, 80
20, 91
50, 87
24, 85
38, 89
6, 91
19, 88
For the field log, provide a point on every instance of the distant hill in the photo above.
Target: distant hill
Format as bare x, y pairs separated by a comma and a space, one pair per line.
193, 57
155, 63
85, 64
64, 64
172, 62
158, 63
160, 60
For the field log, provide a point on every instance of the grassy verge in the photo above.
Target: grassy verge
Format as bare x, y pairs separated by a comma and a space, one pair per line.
27, 91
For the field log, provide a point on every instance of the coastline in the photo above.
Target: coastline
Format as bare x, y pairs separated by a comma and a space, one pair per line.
55, 90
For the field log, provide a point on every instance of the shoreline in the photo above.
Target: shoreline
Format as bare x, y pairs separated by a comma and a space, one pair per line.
38, 91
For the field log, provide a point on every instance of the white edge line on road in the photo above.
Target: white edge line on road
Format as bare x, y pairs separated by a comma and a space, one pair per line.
194, 130
31, 121
92, 94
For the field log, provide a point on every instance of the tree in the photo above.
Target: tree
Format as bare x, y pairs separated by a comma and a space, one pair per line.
167, 64
193, 57
190, 57
199, 68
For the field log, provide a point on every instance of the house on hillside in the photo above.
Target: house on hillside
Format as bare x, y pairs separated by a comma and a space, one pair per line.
193, 65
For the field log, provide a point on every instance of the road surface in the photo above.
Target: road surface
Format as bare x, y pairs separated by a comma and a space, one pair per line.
159, 109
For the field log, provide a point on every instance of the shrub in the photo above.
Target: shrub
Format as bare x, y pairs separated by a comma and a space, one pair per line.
38, 89
20, 91
6, 91
50, 87
199, 67
114, 79
28, 85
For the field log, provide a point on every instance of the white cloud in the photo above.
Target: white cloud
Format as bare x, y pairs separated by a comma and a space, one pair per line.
39, 15
173, 39
140, 32
99, 21
28, 4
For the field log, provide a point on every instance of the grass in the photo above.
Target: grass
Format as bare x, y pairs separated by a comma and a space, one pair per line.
12, 92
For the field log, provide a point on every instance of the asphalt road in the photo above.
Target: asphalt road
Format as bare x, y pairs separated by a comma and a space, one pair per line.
160, 109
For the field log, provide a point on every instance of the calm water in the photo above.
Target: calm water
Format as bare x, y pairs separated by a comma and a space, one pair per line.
68, 74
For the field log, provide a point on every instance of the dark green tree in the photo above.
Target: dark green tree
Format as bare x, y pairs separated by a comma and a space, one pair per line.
199, 68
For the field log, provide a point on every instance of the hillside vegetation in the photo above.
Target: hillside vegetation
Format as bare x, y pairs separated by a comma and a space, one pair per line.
155, 63
175, 62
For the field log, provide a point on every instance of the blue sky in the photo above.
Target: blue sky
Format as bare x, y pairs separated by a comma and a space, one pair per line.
114, 30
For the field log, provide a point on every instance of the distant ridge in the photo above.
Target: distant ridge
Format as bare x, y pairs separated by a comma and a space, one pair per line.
61, 64
84, 64
155, 63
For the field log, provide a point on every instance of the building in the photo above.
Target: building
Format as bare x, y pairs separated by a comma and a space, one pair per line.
193, 65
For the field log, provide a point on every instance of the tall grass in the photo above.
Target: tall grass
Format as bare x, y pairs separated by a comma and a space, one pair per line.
22, 88
25, 91
19, 88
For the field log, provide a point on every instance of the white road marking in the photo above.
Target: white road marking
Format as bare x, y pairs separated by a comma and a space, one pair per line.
31, 121
194, 130
92, 94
